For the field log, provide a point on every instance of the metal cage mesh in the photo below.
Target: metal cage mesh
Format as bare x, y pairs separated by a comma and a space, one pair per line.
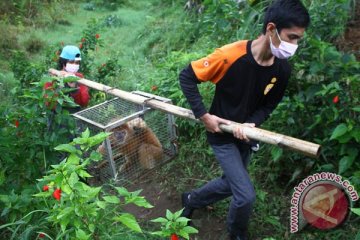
141, 139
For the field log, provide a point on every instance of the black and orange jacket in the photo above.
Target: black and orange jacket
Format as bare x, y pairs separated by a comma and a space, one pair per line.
245, 91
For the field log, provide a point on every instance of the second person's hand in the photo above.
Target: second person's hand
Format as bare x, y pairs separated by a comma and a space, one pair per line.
212, 122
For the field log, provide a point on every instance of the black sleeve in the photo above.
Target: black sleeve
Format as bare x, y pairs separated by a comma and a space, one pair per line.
188, 83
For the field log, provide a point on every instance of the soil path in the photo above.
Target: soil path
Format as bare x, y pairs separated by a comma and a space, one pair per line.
161, 197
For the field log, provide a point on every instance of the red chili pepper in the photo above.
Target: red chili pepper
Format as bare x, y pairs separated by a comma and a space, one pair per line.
174, 237
154, 88
57, 194
336, 99
97, 36
45, 188
41, 235
17, 123
81, 46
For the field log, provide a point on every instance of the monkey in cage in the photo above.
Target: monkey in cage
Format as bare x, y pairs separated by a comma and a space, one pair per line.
134, 142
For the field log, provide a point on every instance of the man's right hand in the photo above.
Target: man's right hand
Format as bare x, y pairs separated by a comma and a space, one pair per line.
212, 122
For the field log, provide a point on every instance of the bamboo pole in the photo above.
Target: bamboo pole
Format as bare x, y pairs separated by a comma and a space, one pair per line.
307, 148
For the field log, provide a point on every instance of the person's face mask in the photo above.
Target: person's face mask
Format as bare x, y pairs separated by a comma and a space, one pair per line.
72, 68
285, 49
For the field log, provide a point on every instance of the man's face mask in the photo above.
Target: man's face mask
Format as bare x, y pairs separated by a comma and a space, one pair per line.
285, 49
72, 68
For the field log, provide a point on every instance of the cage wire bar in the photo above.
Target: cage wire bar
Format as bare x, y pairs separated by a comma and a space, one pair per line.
142, 138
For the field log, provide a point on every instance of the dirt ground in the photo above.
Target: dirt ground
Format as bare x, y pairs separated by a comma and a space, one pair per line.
211, 227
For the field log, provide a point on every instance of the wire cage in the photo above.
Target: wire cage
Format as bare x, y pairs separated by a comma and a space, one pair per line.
142, 138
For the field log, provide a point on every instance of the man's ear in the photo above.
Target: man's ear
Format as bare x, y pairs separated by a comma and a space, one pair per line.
271, 28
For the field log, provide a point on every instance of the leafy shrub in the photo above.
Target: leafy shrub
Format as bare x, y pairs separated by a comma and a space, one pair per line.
25, 71
109, 4
109, 70
9, 40
112, 21
174, 225
73, 209
34, 44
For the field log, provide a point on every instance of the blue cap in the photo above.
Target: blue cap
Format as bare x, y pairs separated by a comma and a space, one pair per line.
71, 53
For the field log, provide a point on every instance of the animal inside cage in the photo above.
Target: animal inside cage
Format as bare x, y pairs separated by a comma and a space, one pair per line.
142, 138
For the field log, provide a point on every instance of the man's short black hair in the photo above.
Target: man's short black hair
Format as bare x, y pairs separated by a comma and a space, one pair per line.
286, 14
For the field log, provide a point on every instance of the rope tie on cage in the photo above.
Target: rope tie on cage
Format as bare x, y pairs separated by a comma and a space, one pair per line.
145, 102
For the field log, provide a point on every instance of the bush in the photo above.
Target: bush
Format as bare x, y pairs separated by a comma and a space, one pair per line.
9, 40
34, 44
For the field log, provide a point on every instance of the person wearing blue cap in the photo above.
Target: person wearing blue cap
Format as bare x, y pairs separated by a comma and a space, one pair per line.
69, 63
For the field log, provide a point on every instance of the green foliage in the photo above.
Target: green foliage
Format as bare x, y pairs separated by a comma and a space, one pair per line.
112, 21
73, 208
26, 71
9, 40
34, 12
324, 87
108, 4
34, 44
108, 71
90, 41
174, 224
328, 13
32, 126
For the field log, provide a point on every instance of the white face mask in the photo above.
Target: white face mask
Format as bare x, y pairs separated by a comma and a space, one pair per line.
72, 68
285, 49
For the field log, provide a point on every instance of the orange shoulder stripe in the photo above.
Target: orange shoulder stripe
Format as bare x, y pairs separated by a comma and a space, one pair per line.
214, 66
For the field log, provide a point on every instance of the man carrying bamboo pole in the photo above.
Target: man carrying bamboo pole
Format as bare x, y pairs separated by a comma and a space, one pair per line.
250, 77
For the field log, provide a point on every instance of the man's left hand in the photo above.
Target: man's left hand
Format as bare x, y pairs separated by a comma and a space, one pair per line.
239, 131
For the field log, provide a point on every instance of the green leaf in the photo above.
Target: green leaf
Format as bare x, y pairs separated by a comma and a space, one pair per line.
160, 220
355, 210
169, 214
84, 174
345, 163
98, 138
182, 220
190, 229
66, 211
66, 148
86, 133
141, 202
158, 233
112, 199
63, 223
276, 153
129, 220
43, 194
184, 234
73, 179
340, 130
81, 235
356, 109
91, 227
101, 204
178, 214
123, 191
73, 159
